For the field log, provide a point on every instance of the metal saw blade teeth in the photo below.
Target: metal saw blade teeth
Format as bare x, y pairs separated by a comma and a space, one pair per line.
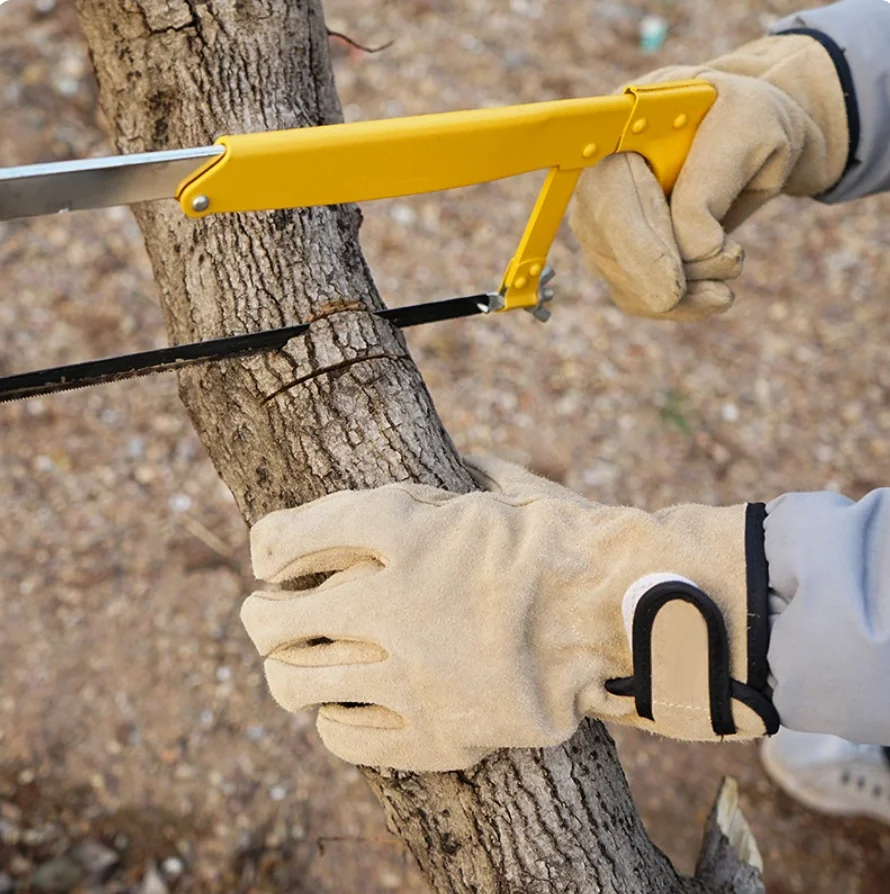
61, 387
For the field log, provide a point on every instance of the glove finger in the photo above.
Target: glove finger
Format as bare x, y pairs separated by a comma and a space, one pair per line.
332, 533
702, 300
399, 749
719, 167
726, 264
623, 224
301, 688
301, 623
497, 476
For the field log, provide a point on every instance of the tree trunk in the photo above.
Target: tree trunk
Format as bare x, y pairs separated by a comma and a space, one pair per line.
350, 409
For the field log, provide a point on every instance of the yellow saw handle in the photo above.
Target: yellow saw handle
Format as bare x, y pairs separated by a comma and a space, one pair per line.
393, 157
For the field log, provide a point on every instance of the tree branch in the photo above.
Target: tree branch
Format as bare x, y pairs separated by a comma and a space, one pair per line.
176, 73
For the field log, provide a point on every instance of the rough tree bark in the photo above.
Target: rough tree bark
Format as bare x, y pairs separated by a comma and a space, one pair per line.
350, 411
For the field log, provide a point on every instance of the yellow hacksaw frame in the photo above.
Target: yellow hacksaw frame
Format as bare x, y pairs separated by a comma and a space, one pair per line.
386, 158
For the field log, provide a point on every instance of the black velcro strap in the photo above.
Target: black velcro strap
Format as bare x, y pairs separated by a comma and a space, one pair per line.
719, 679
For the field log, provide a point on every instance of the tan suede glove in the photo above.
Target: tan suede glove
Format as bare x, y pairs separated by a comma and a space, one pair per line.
778, 125
457, 625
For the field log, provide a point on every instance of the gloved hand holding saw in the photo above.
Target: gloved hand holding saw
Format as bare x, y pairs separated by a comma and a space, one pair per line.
778, 125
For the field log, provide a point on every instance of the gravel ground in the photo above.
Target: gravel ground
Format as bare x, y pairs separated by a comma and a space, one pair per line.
138, 746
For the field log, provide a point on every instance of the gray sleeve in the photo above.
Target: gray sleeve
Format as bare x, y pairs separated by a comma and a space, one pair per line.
829, 652
861, 29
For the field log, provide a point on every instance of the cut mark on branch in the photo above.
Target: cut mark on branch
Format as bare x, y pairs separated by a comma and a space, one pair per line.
334, 367
357, 45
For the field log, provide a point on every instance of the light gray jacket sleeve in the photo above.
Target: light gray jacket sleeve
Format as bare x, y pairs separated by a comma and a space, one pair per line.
860, 31
829, 574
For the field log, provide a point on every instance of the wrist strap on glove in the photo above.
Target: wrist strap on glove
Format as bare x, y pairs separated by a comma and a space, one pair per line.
677, 704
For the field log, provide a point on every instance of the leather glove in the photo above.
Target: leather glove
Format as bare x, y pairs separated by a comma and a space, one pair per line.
778, 125
455, 625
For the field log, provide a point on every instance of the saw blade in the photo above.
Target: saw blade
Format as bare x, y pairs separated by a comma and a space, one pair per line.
129, 366
97, 182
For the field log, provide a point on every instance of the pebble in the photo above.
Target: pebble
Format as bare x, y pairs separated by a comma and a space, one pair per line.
58, 875
403, 214
97, 859
172, 867
19, 865
390, 880
180, 502
153, 882
224, 674
729, 412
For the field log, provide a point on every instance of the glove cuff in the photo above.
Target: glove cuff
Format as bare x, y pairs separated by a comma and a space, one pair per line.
803, 68
682, 654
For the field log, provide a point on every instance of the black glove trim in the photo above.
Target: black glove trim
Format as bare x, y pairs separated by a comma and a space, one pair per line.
757, 571
759, 704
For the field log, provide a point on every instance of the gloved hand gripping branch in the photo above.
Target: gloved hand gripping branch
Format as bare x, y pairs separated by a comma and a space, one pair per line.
455, 625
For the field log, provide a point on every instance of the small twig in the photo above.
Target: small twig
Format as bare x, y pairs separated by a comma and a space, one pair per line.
206, 536
357, 45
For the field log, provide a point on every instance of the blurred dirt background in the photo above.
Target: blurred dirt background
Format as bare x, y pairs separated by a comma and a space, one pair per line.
139, 749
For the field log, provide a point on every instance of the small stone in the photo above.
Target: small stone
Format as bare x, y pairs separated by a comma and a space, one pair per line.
223, 674
10, 812
153, 882
58, 875
97, 859
180, 503
173, 867
255, 733
34, 837
144, 474
278, 792
166, 423
10, 833
402, 214
19, 865
390, 880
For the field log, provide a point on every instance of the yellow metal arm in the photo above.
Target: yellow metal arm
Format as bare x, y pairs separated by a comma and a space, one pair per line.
406, 156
